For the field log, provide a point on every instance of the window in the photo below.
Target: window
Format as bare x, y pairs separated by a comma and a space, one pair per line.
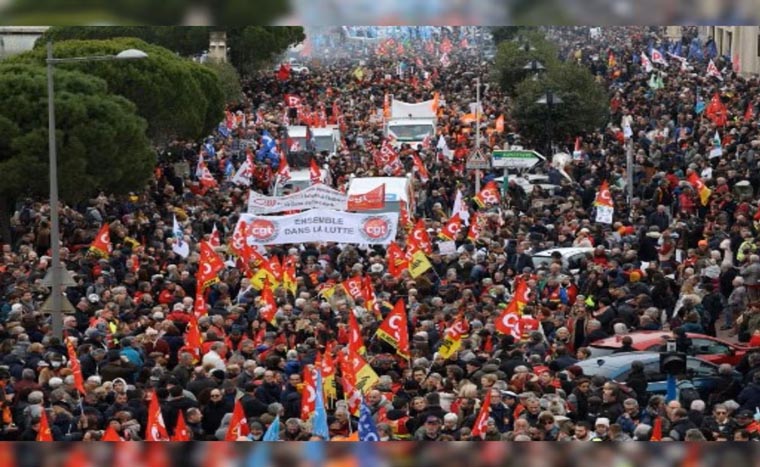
709, 347
700, 369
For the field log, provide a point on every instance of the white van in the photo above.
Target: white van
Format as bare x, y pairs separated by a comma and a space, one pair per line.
397, 190
325, 139
299, 181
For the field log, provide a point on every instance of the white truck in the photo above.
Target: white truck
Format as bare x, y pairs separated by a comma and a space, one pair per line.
325, 139
410, 123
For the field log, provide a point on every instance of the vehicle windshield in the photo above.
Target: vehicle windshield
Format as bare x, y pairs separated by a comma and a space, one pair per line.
322, 143
413, 132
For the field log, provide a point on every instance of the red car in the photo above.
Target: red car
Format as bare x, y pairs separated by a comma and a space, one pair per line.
710, 349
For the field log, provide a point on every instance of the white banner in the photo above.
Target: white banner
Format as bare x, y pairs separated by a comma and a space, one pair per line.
321, 225
315, 197
604, 214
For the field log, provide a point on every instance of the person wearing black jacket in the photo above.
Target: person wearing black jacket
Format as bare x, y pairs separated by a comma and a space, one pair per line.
269, 392
214, 411
637, 381
291, 397
433, 408
252, 406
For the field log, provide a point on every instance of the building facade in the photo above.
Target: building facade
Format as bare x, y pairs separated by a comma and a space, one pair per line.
17, 39
740, 43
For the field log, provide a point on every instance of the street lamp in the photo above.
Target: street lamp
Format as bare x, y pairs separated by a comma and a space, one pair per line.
549, 99
536, 67
56, 271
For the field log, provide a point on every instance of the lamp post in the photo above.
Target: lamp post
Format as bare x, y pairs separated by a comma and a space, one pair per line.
550, 100
56, 270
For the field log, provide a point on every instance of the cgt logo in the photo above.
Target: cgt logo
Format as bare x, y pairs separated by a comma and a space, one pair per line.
262, 230
376, 229
264, 202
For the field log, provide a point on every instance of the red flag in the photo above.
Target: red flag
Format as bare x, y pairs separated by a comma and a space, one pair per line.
355, 341
76, 369
749, 114
481, 423
215, 240
101, 246
373, 199
328, 369
716, 111
404, 220
603, 196
446, 46
283, 171
500, 124
291, 100
309, 393
283, 74
181, 433
199, 304
111, 435
509, 321
421, 169
314, 173
699, 186
44, 434
353, 287
421, 238
474, 233
488, 195
156, 429
656, 430
395, 331
451, 229
268, 308
238, 424
397, 262
193, 338
77, 458
209, 266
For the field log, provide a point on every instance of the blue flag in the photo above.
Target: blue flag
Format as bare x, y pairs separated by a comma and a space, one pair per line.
367, 428
678, 49
695, 50
267, 140
223, 130
711, 49
260, 456
273, 432
319, 421
210, 149
366, 454
314, 453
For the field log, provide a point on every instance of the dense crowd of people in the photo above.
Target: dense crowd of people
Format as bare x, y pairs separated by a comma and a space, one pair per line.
668, 262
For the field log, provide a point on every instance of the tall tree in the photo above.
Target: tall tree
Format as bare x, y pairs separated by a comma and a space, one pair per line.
101, 140
584, 107
178, 97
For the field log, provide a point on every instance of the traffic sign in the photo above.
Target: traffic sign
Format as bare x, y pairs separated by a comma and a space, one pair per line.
478, 161
515, 159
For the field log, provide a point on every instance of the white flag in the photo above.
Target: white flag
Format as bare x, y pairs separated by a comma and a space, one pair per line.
717, 149
658, 58
243, 174
180, 246
461, 208
712, 70
444, 148
646, 63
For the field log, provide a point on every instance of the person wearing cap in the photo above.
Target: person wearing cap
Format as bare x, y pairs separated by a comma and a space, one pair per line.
430, 430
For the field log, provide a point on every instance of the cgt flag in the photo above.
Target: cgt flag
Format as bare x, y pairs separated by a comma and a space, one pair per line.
76, 369
488, 195
699, 186
101, 246
395, 331
210, 265
481, 423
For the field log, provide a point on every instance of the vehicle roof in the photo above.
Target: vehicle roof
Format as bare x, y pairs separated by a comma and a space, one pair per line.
646, 337
568, 251
411, 121
616, 361
299, 131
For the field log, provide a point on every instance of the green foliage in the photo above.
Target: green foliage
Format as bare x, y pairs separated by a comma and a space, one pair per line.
584, 108
233, 12
184, 40
179, 98
229, 80
253, 47
101, 140
506, 33
512, 57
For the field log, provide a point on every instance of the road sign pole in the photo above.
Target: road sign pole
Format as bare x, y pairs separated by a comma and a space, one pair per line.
477, 131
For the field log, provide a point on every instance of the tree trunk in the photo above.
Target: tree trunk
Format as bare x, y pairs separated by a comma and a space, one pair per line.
6, 211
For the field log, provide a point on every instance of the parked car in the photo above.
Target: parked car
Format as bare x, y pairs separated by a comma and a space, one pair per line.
703, 375
571, 258
707, 348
